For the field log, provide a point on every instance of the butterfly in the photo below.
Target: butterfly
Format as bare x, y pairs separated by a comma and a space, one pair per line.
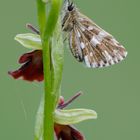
88, 42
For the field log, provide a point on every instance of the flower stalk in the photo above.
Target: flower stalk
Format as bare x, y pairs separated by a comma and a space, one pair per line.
47, 24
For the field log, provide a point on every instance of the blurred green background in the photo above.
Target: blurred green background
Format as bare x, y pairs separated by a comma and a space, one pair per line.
114, 92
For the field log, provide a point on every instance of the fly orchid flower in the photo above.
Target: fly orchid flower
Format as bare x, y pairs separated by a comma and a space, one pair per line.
32, 68
67, 132
64, 120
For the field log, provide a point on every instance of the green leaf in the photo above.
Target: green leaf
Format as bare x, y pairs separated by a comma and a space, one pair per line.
57, 57
29, 40
39, 121
72, 116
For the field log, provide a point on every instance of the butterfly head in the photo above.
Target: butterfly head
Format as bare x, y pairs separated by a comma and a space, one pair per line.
68, 16
70, 7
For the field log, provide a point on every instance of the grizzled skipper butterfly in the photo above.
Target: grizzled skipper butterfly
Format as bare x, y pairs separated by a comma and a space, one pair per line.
88, 42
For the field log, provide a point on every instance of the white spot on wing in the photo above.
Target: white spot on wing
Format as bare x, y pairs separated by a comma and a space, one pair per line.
122, 46
115, 41
94, 41
82, 45
81, 19
125, 54
116, 59
115, 51
107, 56
90, 28
79, 35
91, 54
87, 61
82, 28
101, 35
107, 64
98, 38
112, 62
101, 63
118, 55
94, 65
86, 44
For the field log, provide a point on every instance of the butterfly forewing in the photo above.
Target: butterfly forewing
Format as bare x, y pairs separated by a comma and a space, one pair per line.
89, 43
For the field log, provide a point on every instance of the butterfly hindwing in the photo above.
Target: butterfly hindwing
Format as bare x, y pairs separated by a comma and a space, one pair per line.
74, 44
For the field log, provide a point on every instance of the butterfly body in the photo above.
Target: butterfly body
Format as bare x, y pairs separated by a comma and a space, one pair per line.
88, 42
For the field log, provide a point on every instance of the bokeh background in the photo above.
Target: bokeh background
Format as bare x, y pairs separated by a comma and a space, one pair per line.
114, 92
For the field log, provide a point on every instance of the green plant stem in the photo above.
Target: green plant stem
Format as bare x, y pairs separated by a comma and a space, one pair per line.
47, 26
49, 98
41, 16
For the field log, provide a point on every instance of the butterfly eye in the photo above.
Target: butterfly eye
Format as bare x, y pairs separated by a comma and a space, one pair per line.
70, 7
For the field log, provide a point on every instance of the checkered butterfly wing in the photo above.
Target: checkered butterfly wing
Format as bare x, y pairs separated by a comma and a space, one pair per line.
91, 44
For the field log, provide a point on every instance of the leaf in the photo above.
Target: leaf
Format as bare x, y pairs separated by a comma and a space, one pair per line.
29, 40
39, 121
72, 116
57, 56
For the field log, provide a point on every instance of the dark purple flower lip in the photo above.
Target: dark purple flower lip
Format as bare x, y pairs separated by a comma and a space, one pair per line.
32, 68
67, 132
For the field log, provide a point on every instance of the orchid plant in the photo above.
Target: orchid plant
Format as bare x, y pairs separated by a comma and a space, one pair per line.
45, 63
